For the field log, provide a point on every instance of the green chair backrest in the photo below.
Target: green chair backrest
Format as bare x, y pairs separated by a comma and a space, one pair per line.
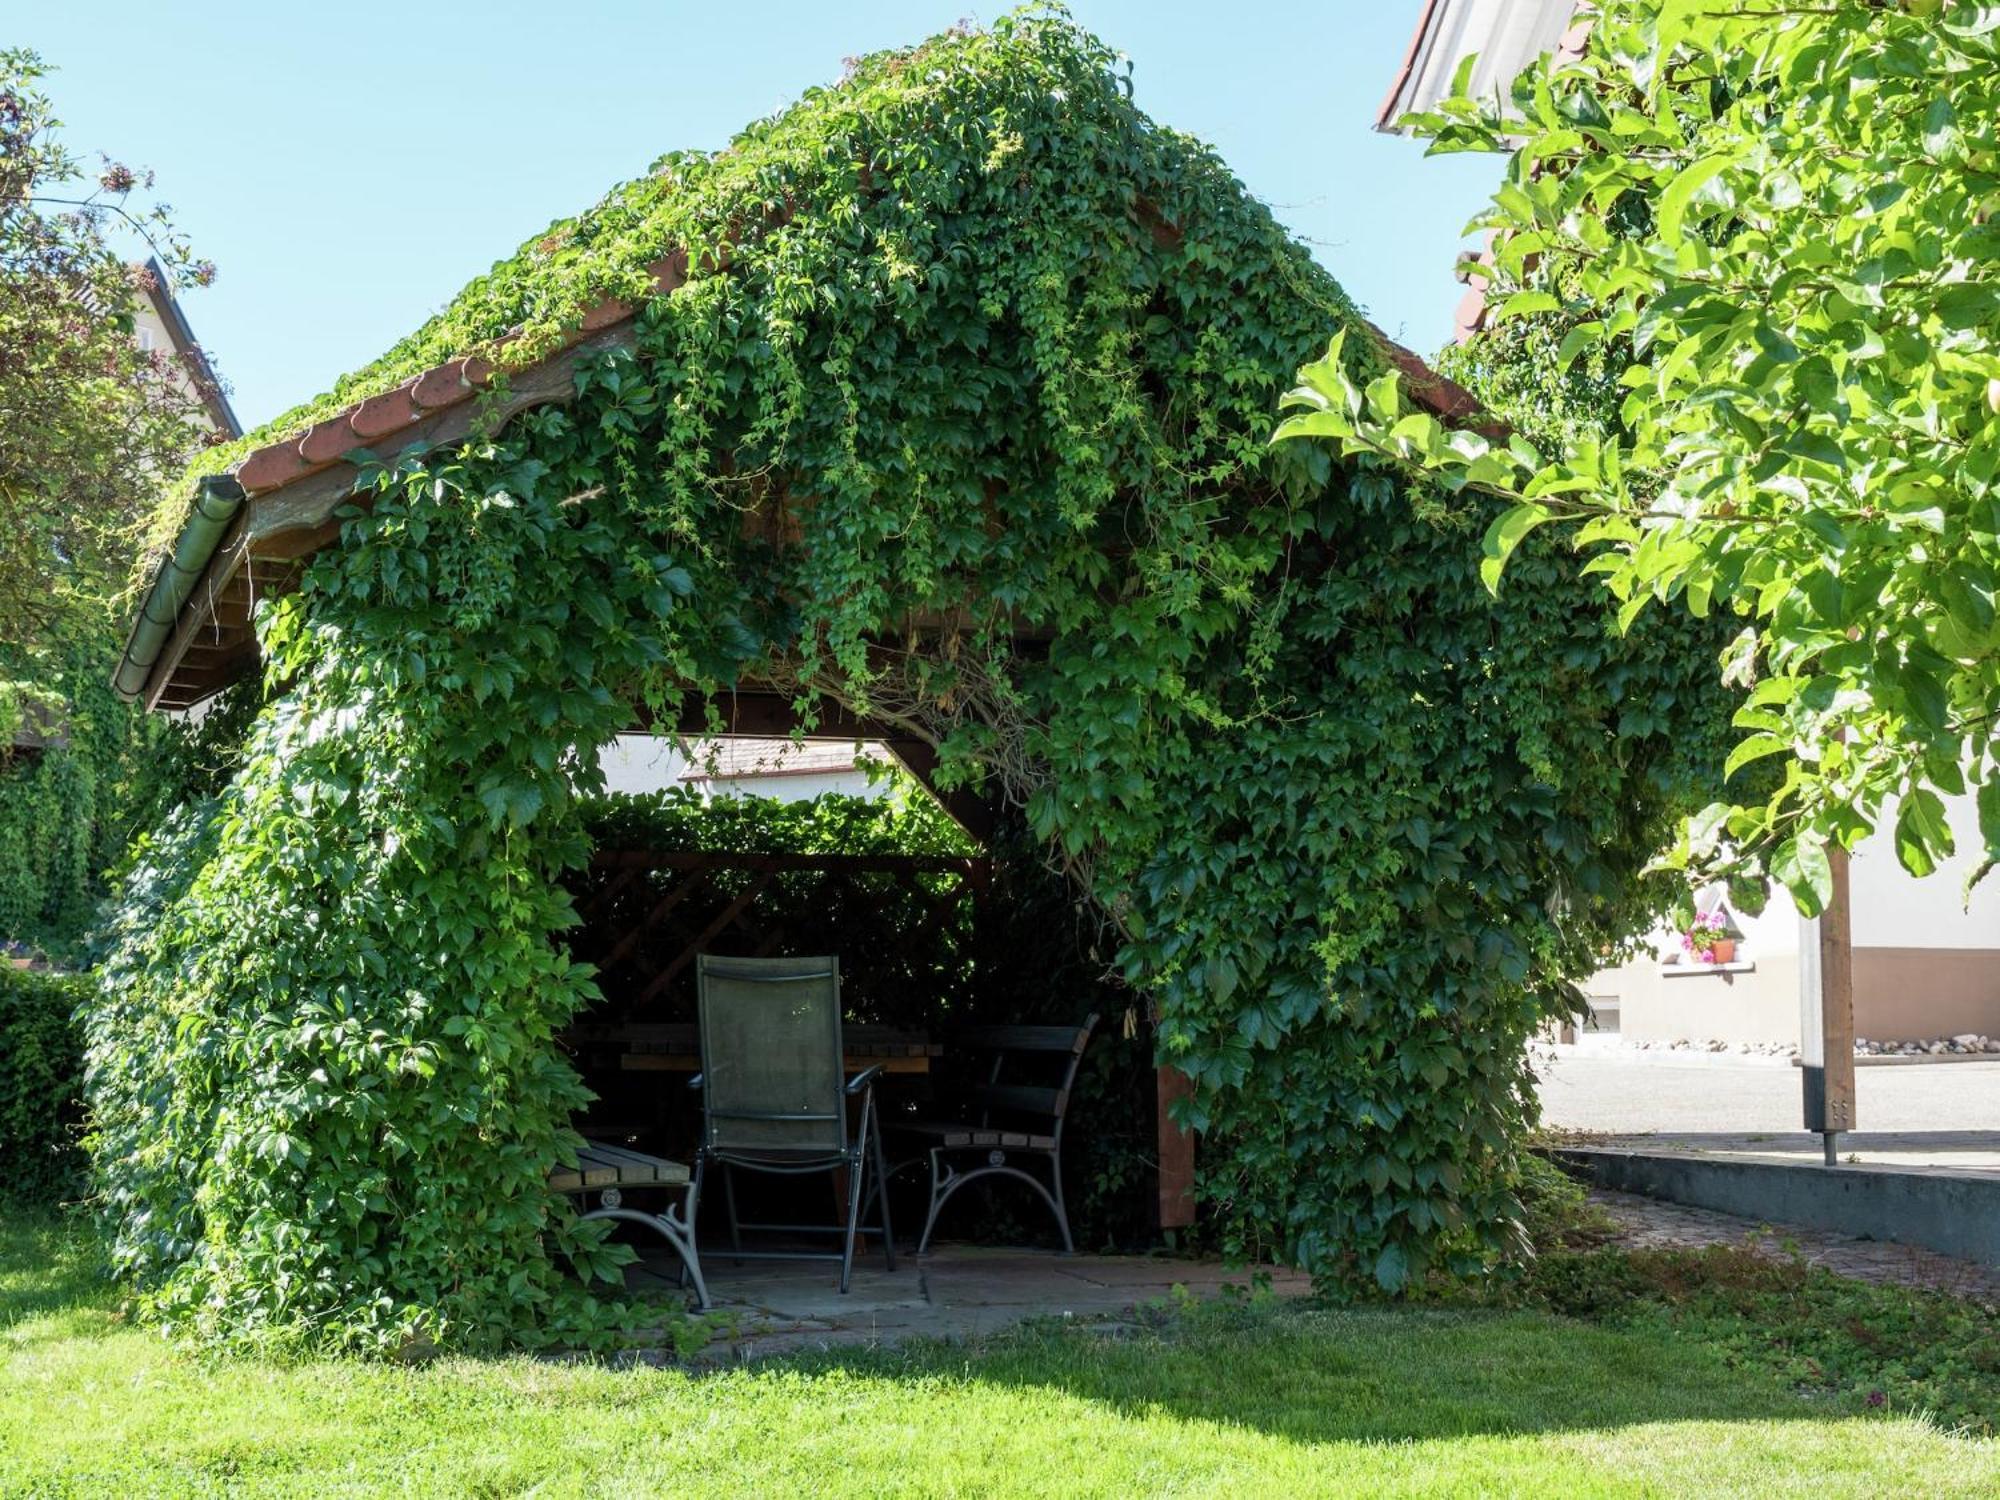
771, 1062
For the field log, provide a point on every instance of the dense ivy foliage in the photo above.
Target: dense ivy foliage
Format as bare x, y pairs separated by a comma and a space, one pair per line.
70, 810
41, 1085
969, 434
903, 820
70, 804
47, 818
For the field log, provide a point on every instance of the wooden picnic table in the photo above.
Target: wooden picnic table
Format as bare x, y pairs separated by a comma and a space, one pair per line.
649, 1047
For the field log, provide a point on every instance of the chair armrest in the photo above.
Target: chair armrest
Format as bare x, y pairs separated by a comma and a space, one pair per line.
697, 1081
865, 1079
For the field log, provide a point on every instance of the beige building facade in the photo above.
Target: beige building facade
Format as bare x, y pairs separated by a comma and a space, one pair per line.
788, 770
1926, 961
158, 323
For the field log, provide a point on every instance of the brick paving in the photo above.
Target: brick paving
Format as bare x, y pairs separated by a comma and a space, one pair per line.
1650, 1223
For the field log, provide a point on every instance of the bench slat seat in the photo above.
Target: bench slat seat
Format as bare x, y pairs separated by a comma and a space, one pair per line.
601, 1166
608, 1170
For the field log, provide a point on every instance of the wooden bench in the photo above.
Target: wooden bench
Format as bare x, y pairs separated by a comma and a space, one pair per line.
608, 1171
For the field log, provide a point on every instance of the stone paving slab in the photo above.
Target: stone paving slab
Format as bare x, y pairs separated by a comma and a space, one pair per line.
781, 1307
1652, 1224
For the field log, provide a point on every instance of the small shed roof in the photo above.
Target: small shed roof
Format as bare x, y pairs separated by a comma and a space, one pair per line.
41, 728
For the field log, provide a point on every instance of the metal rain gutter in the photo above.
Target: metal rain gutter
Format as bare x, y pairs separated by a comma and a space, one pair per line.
218, 498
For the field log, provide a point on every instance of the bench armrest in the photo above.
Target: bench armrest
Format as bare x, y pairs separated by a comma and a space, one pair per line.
863, 1080
697, 1082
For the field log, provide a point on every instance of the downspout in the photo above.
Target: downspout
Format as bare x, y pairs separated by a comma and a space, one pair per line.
217, 500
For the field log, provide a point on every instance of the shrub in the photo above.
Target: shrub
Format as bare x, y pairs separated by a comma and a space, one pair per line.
1867, 1344
1898, 1347
41, 1084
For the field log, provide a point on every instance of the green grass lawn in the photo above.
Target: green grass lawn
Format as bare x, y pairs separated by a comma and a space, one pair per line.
1225, 1401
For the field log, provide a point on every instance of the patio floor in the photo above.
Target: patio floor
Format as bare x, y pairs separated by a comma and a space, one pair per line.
957, 1291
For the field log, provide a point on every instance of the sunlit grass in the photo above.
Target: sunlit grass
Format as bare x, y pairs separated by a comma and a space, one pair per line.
1230, 1401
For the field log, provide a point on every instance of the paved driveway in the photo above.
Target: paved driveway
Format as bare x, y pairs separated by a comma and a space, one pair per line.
1931, 1114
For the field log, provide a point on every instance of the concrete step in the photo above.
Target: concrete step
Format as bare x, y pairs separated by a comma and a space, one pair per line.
1951, 1211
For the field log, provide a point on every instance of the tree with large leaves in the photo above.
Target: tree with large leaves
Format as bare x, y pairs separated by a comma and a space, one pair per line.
1771, 229
89, 421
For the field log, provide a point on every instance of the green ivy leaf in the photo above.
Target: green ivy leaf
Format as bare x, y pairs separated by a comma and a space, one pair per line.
1392, 1268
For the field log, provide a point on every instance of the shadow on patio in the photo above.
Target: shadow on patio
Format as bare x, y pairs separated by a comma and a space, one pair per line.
958, 1291
978, 1326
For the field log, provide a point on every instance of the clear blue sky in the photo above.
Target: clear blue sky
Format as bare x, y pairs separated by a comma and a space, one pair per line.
349, 167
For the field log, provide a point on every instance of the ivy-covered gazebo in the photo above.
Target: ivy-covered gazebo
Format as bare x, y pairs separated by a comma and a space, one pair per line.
936, 409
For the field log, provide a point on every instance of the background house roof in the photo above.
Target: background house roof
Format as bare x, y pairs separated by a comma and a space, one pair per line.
1505, 34
754, 759
159, 294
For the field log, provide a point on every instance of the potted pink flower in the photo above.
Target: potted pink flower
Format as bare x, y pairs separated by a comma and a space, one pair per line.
1710, 939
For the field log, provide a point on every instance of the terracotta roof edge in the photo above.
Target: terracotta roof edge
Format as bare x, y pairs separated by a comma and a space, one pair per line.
374, 419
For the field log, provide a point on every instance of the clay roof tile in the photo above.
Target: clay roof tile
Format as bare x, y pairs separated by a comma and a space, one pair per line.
272, 466
380, 416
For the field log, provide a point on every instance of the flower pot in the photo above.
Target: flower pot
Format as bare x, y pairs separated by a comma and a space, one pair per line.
1724, 950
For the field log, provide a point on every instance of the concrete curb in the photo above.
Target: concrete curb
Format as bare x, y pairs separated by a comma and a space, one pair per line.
1953, 1213
1901, 1060
1689, 1058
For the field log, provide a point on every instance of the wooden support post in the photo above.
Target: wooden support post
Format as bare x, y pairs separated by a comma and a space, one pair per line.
1176, 1153
1826, 1013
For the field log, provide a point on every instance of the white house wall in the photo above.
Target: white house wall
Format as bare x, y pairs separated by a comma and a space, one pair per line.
1924, 965
1893, 910
649, 763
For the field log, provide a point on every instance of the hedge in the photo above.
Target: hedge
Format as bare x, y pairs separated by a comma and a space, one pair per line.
41, 1084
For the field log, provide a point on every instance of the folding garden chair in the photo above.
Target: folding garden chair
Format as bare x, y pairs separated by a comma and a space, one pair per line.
1019, 1110
773, 1095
